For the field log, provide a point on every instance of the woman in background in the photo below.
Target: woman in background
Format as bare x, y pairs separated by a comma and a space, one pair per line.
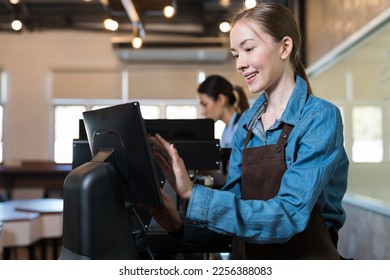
220, 100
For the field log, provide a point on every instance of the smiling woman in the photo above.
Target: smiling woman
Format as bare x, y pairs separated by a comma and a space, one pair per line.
287, 136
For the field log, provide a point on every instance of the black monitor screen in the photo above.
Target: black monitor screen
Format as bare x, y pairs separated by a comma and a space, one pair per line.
182, 129
122, 127
193, 138
82, 132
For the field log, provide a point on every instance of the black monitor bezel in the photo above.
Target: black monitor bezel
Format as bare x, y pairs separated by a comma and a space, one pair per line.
142, 185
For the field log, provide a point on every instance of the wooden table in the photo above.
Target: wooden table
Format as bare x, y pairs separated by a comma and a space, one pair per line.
45, 175
20, 229
50, 211
38, 219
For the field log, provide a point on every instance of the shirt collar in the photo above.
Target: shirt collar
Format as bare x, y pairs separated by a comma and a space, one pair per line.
294, 107
296, 103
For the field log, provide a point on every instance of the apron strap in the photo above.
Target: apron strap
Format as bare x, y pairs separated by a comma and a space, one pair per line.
287, 128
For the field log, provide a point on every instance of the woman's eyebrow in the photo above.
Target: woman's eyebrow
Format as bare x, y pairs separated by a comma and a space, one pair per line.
242, 43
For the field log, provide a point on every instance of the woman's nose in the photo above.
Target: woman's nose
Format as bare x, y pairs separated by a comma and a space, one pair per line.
241, 64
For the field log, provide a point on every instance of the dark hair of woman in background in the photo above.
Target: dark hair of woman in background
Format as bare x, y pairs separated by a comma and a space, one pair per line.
221, 100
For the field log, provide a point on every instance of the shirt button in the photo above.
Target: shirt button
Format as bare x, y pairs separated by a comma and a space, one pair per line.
284, 135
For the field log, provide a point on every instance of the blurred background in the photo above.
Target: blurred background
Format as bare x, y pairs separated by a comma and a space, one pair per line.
59, 58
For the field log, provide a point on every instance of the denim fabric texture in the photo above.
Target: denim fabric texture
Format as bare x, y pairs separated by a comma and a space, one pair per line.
316, 176
228, 132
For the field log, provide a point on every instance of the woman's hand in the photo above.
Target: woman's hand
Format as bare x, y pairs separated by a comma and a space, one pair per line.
167, 217
172, 166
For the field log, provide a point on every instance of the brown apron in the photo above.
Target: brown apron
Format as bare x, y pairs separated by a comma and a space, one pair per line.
262, 171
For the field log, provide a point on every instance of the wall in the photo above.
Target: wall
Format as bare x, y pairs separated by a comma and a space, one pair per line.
360, 76
332, 21
28, 59
365, 235
356, 72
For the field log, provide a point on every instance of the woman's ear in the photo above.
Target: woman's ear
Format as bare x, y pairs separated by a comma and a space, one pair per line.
222, 99
286, 47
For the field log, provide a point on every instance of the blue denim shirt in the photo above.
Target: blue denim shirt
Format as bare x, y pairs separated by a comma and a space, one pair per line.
228, 132
316, 176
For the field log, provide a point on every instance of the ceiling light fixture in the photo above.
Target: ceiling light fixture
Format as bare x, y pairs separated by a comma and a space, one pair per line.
170, 10
16, 25
138, 29
224, 27
137, 41
224, 3
249, 4
111, 24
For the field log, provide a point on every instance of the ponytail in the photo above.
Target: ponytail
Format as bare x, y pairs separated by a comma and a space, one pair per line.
300, 70
242, 100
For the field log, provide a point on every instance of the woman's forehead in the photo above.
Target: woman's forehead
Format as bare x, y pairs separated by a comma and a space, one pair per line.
245, 30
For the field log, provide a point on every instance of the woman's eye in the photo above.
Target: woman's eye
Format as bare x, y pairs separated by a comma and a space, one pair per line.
248, 49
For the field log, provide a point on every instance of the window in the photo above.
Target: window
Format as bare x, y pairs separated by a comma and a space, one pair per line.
77, 90
181, 112
150, 111
1, 133
219, 126
367, 145
66, 120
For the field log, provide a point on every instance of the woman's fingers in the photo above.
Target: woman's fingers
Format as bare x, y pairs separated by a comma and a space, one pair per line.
168, 216
162, 162
170, 161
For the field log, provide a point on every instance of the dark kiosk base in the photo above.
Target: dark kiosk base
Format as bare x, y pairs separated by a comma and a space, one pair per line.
113, 171
96, 222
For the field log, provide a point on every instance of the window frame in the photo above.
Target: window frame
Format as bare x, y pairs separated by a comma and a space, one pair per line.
89, 104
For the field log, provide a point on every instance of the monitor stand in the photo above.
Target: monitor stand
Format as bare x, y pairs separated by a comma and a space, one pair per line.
96, 221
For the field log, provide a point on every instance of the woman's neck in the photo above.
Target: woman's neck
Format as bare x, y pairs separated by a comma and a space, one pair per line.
278, 97
277, 101
228, 114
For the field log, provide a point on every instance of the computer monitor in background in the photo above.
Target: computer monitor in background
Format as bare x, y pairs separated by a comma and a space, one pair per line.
193, 138
81, 150
181, 129
82, 131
